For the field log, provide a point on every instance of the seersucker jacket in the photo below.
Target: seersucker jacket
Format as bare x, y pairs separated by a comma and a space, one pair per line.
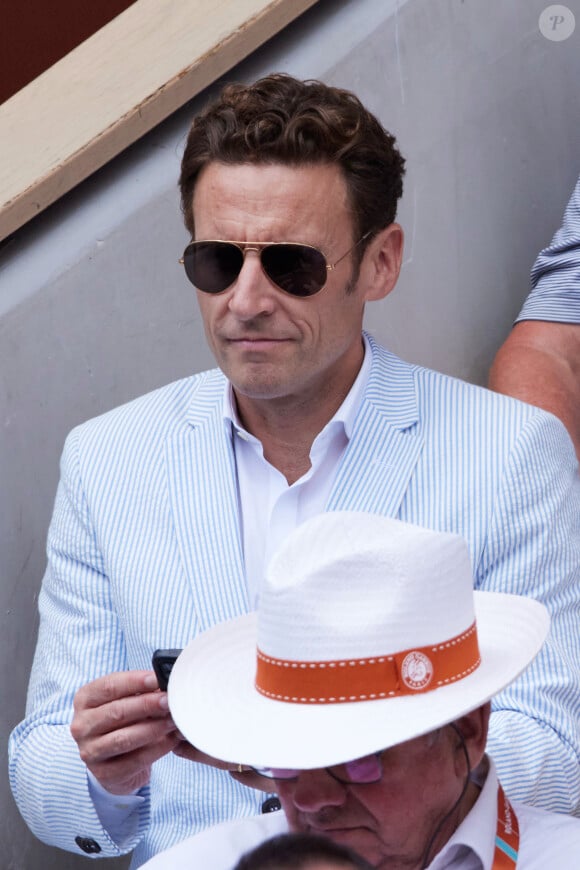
145, 551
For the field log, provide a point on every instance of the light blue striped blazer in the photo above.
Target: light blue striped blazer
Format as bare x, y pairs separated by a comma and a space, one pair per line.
145, 551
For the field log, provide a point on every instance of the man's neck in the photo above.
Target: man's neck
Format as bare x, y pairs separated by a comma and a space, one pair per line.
287, 426
421, 860
452, 823
287, 430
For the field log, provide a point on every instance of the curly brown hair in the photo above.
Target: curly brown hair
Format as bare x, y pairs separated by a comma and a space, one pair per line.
280, 119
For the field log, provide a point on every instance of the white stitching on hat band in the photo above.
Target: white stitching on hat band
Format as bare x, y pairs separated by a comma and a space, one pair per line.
410, 672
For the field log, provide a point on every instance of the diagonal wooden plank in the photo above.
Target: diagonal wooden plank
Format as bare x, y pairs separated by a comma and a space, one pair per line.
116, 86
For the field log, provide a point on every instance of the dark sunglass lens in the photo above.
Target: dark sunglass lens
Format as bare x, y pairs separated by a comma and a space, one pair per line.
212, 266
297, 269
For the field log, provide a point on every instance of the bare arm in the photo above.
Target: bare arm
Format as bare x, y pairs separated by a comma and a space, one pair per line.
539, 363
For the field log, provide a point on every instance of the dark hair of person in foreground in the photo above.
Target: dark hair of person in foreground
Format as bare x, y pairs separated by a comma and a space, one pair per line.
300, 852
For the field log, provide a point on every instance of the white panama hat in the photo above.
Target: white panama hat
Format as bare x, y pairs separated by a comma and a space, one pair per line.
369, 634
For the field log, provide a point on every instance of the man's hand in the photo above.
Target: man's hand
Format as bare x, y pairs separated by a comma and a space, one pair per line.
122, 725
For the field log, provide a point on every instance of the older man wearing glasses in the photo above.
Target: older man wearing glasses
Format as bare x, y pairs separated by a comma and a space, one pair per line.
169, 508
361, 690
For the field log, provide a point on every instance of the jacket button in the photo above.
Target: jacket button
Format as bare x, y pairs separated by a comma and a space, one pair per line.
271, 805
91, 847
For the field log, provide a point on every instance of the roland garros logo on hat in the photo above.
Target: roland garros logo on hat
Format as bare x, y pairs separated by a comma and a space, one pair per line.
416, 670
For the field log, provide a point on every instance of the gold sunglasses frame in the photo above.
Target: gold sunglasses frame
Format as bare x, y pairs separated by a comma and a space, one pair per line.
244, 247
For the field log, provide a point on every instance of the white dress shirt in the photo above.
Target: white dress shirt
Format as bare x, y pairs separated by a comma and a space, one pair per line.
270, 507
546, 839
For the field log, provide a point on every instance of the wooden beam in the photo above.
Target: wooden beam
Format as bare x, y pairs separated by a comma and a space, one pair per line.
116, 86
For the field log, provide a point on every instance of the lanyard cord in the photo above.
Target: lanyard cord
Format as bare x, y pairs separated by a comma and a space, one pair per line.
507, 837
447, 815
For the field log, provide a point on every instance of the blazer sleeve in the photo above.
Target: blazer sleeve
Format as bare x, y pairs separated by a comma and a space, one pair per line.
533, 549
79, 639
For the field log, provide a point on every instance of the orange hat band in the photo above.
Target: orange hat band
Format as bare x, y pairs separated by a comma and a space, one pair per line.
406, 673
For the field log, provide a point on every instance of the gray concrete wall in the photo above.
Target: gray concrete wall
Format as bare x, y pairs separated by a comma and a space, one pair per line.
94, 309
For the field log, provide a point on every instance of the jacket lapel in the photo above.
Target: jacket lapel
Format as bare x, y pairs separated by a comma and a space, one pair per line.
203, 496
386, 441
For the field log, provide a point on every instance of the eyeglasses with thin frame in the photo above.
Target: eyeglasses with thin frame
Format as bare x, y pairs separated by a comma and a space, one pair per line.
213, 265
361, 771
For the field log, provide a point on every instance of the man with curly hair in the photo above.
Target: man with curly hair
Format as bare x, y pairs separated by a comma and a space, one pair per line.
169, 507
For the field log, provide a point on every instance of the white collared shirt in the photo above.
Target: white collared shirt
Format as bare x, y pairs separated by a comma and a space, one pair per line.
270, 508
546, 839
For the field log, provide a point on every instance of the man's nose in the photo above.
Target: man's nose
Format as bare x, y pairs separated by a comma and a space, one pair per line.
252, 294
316, 789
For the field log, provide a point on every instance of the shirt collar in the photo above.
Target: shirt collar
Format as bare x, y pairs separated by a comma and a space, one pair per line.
477, 830
345, 415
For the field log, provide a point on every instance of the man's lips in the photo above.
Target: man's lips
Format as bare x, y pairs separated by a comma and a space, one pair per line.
334, 830
355, 836
256, 339
257, 344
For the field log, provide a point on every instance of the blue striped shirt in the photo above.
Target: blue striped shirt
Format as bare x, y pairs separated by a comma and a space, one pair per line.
555, 293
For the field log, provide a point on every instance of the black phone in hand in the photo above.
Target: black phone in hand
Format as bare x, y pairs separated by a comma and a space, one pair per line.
163, 661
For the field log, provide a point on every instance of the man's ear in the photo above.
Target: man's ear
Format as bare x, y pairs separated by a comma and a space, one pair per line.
382, 262
473, 727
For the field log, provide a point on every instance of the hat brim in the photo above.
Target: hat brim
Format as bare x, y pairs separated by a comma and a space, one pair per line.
215, 705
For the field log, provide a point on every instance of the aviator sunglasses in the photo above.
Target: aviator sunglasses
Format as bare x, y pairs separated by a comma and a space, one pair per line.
300, 270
